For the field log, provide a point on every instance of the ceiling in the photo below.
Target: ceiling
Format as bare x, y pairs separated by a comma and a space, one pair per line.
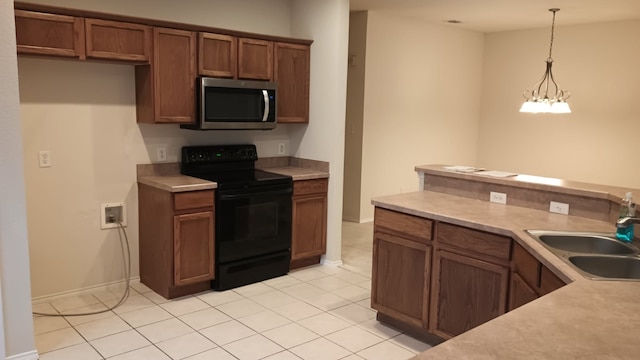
505, 15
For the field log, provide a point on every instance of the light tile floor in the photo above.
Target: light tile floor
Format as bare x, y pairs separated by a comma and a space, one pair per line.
319, 312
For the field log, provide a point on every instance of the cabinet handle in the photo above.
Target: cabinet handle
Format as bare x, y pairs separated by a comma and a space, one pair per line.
265, 94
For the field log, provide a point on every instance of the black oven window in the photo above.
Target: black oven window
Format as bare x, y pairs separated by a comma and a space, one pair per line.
233, 104
256, 221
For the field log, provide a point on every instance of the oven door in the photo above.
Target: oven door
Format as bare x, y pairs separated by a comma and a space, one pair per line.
253, 221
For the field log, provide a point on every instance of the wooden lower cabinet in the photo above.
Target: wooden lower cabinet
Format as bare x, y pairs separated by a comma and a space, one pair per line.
466, 293
193, 247
529, 278
401, 273
176, 238
520, 292
400, 278
309, 225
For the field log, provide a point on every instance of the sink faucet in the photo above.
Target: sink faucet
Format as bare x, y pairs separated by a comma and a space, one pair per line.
626, 221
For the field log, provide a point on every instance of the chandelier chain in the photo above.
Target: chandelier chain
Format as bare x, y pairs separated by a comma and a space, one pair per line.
553, 25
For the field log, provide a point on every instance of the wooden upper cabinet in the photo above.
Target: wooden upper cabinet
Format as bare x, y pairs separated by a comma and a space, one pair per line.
217, 55
49, 34
165, 89
291, 73
116, 40
255, 59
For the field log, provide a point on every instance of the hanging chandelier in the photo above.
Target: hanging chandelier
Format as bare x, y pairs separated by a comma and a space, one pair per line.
538, 100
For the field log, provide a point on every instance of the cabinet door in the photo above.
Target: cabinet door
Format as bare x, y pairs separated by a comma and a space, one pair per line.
291, 72
217, 55
466, 292
117, 40
520, 292
400, 279
309, 232
255, 59
49, 34
549, 281
193, 248
172, 75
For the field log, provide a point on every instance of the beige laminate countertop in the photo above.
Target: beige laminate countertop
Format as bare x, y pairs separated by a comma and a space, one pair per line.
180, 183
587, 319
298, 173
177, 183
612, 193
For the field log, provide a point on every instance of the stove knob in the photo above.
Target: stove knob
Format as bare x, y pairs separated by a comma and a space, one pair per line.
250, 152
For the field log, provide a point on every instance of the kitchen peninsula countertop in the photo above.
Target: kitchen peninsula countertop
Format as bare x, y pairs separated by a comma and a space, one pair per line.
586, 319
612, 193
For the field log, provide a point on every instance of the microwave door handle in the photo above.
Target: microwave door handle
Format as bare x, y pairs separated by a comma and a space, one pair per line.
265, 95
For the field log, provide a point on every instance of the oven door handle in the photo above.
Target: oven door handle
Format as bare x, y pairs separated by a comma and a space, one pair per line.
248, 193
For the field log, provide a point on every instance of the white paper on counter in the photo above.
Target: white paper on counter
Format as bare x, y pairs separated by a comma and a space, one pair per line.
495, 173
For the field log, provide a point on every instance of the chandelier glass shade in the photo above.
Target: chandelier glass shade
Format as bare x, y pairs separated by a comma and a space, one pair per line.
546, 96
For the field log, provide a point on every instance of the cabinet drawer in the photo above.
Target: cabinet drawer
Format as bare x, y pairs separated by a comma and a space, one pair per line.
414, 226
192, 200
303, 187
480, 242
526, 265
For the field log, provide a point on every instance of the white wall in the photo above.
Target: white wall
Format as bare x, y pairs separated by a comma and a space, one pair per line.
327, 23
421, 102
84, 113
597, 142
17, 327
355, 115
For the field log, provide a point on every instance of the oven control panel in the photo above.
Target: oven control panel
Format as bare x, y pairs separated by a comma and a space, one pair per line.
218, 153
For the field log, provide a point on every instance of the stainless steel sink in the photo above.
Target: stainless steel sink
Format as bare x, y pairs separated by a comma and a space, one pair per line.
611, 267
584, 243
596, 255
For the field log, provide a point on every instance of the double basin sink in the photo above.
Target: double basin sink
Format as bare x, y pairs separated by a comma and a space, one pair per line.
598, 256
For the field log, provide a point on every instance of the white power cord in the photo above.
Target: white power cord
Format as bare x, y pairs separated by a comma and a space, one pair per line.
126, 261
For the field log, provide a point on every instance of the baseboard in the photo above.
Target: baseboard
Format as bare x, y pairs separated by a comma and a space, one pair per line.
336, 263
82, 291
29, 355
356, 220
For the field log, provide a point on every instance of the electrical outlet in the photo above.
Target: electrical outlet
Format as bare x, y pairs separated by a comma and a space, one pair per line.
559, 208
496, 197
44, 158
161, 153
281, 149
111, 214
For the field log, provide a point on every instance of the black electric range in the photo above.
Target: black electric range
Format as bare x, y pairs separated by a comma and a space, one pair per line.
252, 216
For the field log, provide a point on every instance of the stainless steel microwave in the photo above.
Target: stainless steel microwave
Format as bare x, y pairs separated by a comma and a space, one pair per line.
227, 104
